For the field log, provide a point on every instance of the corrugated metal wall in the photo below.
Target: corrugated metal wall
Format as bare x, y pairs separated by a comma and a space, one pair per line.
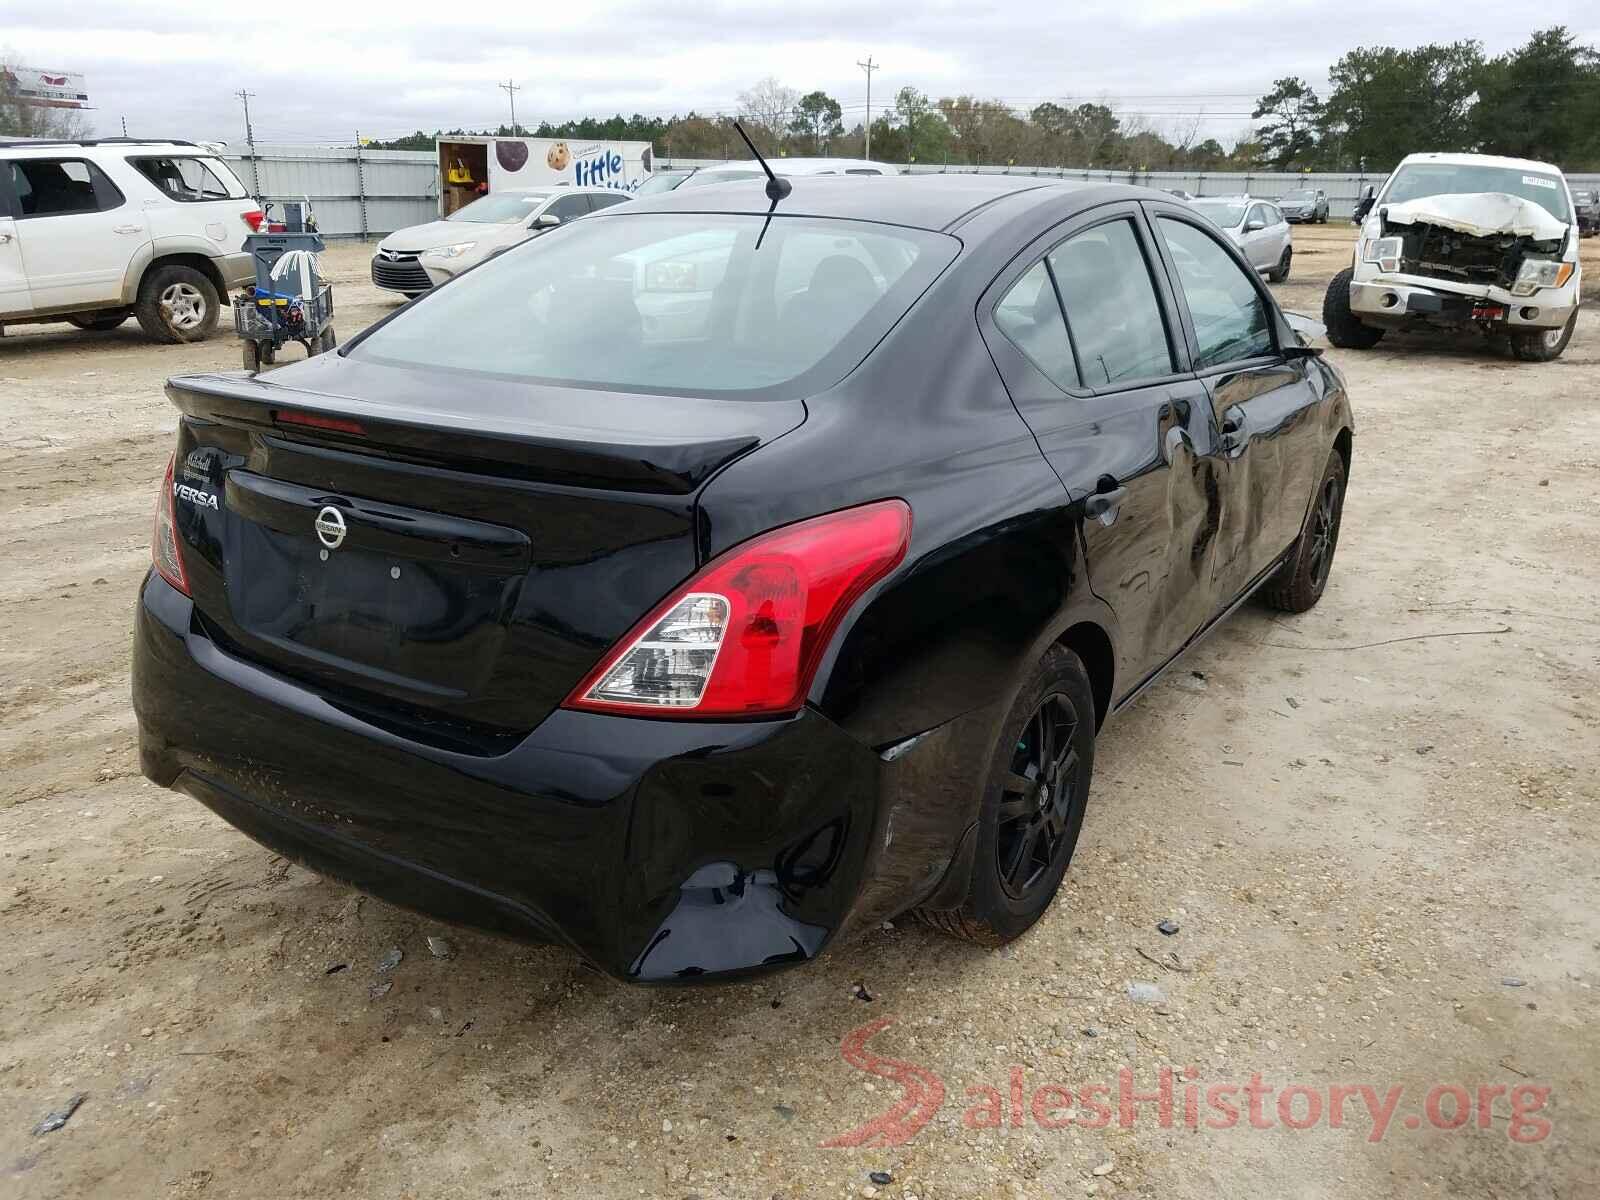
371, 191
378, 191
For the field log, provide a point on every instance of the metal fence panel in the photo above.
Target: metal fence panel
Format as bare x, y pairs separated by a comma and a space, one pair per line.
391, 189
371, 191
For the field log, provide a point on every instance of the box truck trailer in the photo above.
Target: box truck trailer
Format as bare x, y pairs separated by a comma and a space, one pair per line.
470, 167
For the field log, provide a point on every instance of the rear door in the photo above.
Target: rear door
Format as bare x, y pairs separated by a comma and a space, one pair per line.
1261, 402
1088, 343
14, 296
76, 229
191, 196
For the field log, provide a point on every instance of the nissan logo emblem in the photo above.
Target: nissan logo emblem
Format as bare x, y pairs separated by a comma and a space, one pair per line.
330, 527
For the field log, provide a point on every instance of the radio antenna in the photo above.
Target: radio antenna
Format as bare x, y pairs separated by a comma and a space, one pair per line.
777, 188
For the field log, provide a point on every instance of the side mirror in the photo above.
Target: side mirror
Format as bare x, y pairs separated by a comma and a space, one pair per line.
1254, 225
546, 221
1364, 205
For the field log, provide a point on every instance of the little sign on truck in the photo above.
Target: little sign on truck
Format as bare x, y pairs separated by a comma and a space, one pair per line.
470, 167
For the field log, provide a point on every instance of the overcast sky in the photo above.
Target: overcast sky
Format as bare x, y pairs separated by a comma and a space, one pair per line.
322, 70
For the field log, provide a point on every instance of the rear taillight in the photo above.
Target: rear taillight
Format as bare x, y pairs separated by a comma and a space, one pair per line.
253, 218
744, 636
164, 546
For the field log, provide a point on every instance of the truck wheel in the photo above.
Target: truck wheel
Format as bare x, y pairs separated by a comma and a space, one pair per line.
177, 304
1542, 345
1281, 272
1033, 803
98, 322
1345, 330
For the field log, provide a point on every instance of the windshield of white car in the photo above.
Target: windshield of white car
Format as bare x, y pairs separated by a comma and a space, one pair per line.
1297, 197
1226, 213
1416, 181
674, 303
500, 208
661, 181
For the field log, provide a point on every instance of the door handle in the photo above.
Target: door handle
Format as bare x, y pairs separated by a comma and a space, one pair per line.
4, 238
127, 229
1102, 505
1233, 423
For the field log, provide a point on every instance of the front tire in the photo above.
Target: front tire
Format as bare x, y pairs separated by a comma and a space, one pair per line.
177, 304
1345, 329
1299, 583
1281, 272
1543, 345
1035, 795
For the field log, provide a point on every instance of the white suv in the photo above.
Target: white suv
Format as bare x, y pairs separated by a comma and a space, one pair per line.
95, 232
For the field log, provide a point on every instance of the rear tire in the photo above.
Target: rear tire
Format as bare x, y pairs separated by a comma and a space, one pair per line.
1035, 795
98, 322
177, 304
1299, 583
1345, 329
1543, 345
1281, 272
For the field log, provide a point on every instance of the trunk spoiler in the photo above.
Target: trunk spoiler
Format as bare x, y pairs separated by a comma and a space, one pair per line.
639, 461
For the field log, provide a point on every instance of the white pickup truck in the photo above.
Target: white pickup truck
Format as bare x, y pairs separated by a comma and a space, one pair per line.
1463, 241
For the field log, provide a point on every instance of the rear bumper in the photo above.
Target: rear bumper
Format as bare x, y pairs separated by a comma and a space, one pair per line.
659, 851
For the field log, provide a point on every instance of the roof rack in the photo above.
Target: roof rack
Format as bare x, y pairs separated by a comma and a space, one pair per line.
31, 143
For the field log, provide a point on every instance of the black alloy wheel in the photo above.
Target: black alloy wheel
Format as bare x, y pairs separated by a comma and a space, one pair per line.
1037, 798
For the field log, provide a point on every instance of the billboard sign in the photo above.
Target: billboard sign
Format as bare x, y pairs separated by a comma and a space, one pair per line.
45, 89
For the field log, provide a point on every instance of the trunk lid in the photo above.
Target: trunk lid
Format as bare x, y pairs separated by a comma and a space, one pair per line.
446, 555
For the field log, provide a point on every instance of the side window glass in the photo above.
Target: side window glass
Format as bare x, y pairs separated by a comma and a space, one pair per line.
1030, 316
58, 187
1230, 319
189, 180
570, 208
600, 202
1111, 306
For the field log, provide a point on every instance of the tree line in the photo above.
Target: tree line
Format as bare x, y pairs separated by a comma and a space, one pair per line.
1540, 100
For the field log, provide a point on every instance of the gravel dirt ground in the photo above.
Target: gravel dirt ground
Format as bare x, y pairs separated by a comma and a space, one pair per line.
1374, 824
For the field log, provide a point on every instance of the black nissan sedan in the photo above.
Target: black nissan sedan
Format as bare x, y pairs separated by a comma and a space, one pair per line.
716, 576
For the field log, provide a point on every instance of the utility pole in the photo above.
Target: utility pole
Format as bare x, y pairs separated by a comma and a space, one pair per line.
869, 67
361, 186
250, 139
510, 88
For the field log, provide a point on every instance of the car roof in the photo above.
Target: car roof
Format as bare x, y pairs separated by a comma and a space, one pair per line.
56, 146
1484, 160
920, 201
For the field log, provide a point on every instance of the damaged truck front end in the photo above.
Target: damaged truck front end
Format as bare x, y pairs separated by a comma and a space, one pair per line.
1496, 261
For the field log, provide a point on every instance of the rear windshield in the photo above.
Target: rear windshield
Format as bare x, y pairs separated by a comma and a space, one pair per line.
701, 178
1225, 213
500, 208
673, 303
191, 179
1418, 180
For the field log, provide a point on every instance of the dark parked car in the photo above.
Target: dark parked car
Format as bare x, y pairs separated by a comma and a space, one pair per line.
1586, 208
690, 588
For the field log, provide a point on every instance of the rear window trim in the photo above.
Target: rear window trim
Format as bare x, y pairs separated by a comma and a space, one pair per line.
822, 376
